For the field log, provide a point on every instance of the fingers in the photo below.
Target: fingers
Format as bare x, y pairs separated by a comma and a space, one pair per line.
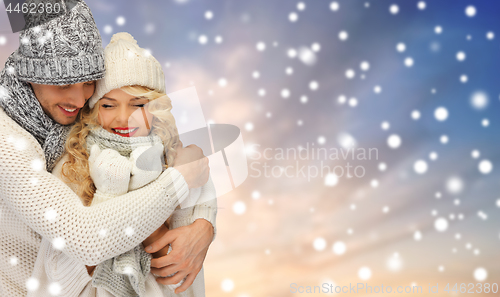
167, 238
172, 279
165, 271
188, 282
162, 262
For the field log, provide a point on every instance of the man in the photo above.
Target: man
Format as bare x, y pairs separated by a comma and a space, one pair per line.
44, 84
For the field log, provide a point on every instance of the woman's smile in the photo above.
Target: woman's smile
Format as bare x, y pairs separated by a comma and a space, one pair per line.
126, 131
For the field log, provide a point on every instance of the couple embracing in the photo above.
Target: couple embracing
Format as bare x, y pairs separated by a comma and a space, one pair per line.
98, 195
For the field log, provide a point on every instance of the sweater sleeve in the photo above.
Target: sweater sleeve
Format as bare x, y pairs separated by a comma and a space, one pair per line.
87, 234
205, 208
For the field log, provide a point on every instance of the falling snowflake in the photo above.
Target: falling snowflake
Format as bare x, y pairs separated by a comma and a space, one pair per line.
334, 6
202, 39
394, 263
394, 9
108, 29
307, 56
454, 185
470, 11
50, 214
227, 285
222, 82
420, 166
339, 248
364, 273
400, 47
461, 56
343, 35
32, 284
394, 141
485, 166
479, 100
319, 244
409, 62
120, 21
365, 66
129, 231
261, 46
441, 224
285, 93
59, 243
441, 114
350, 73
313, 85
239, 207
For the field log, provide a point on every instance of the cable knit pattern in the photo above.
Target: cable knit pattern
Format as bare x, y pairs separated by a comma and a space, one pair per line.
20, 103
35, 203
126, 65
62, 50
127, 274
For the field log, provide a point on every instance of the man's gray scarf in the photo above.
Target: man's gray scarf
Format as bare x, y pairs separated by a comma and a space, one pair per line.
19, 102
123, 275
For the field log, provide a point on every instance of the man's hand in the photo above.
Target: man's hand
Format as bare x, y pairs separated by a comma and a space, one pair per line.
192, 164
189, 249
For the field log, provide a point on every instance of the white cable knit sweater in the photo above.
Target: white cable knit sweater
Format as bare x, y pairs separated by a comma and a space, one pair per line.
122, 175
34, 203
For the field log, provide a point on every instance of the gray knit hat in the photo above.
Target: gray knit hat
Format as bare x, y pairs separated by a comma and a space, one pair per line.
64, 50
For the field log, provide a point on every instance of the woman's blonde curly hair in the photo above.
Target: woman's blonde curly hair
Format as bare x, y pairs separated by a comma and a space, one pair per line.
76, 170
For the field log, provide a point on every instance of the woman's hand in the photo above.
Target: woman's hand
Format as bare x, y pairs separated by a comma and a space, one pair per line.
189, 249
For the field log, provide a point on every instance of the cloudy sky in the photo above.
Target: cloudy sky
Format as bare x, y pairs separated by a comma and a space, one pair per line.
414, 81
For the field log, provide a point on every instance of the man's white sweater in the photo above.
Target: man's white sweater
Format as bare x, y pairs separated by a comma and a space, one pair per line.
36, 204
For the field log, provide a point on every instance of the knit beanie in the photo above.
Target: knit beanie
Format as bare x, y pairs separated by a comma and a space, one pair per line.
126, 65
63, 50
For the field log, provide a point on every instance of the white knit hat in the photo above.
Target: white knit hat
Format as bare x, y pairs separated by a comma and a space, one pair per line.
126, 65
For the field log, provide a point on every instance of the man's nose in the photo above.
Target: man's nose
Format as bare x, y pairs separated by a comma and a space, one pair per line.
78, 95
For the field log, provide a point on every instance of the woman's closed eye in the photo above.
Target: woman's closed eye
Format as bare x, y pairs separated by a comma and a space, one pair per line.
106, 105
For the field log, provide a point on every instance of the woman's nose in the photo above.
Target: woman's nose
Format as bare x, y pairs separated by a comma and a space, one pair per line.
123, 117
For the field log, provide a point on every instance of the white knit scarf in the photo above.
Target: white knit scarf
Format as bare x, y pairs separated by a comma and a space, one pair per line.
123, 275
124, 145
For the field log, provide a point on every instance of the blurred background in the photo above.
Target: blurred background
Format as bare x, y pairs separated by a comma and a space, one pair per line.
416, 83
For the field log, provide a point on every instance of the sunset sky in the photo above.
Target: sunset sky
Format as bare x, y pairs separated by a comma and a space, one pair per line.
417, 81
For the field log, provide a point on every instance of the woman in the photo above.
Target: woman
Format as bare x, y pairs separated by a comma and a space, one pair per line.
118, 145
